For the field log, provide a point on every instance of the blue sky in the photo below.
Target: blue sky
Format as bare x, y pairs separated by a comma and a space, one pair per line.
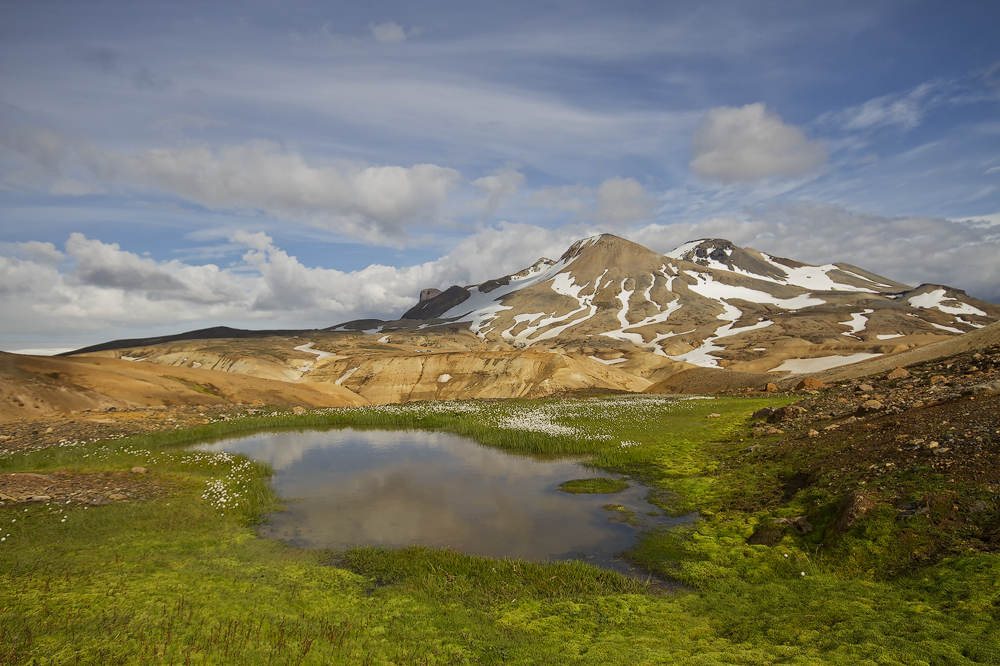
168, 166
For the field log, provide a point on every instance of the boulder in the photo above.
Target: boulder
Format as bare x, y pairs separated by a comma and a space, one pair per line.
810, 383
785, 413
851, 510
898, 373
871, 406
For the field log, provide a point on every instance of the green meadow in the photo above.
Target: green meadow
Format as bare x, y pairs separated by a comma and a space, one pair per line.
183, 579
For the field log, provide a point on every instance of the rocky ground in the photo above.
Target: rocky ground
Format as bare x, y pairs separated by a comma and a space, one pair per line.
925, 440
88, 426
62, 487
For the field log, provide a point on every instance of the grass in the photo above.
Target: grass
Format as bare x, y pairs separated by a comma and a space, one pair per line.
183, 579
601, 485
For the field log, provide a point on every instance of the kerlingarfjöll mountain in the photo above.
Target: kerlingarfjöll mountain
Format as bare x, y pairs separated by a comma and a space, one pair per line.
608, 315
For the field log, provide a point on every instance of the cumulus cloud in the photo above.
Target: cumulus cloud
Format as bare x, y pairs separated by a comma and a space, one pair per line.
373, 203
750, 143
622, 201
498, 186
388, 33
95, 285
912, 250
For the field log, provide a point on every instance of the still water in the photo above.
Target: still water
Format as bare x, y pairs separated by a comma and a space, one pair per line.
397, 488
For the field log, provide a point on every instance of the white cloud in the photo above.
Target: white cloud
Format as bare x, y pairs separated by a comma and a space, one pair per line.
574, 198
622, 201
750, 143
388, 33
906, 111
498, 186
373, 203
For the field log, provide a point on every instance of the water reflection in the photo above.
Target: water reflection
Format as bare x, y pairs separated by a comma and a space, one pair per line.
398, 488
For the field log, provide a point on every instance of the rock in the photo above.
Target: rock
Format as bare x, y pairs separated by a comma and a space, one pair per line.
937, 379
986, 387
761, 432
810, 383
117, 496
800, 523
765, 536
814, 433
139, 470
898, 373
785, 413
871, 406
762, 413
298, 411
851, 510
40, 498
866, 388
771, 388
714, 416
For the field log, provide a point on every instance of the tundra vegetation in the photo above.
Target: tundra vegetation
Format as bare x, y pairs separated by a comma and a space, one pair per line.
182, 577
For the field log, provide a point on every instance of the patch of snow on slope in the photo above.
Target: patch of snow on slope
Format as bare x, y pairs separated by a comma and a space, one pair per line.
862, 277
608, 362
373, 331
702, 355
969, 323
710, 288
934, 299
803, 365
946, 328
444, 378
889, 336
346, 375
857, 322
482, 308
623, 297
384, 339
307, 348
815, 278
679, 252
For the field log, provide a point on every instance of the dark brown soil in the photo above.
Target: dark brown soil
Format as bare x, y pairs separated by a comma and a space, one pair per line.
64, 488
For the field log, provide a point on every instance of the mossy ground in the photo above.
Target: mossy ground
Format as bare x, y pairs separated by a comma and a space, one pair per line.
601, 485
183, 579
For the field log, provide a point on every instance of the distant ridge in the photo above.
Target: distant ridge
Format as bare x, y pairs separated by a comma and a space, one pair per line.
213, 333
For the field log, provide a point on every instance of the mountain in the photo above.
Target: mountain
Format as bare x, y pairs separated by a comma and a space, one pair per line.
708, 303
608, 315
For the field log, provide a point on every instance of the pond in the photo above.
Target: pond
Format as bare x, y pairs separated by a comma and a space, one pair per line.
394, 488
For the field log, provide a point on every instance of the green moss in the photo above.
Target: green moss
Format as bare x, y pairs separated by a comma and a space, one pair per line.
178, 580
599, 485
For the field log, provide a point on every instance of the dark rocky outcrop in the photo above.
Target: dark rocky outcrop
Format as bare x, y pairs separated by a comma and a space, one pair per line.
435, 306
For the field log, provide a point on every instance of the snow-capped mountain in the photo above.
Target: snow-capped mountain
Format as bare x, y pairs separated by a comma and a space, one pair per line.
707, 303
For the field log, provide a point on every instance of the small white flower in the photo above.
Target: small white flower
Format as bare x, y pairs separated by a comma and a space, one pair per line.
803, 573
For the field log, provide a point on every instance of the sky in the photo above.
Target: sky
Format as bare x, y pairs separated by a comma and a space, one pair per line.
171, 166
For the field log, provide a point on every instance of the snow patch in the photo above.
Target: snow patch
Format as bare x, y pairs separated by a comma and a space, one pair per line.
126, 358
936, 298
889, 336
384, 339
702, 355
803, 365
444, 378
946, 328
857, 322
710, 288
346, 375
608, 362
307, 348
